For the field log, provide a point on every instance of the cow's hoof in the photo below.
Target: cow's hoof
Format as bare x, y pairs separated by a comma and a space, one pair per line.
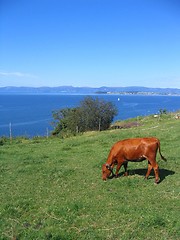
157, 182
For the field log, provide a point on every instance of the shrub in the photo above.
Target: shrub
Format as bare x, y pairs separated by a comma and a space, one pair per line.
92, 115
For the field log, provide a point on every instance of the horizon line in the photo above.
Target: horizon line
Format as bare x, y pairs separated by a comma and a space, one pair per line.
88, 87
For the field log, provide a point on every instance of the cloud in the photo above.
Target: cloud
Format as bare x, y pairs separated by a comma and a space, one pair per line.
17, 74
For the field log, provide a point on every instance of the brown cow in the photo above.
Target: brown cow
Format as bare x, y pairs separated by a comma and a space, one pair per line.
133, 150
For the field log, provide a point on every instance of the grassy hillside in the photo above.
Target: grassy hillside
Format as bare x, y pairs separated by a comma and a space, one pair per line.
52, 188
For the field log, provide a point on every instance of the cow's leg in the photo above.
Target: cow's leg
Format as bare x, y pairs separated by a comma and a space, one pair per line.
156, 172
149, 170
125, 169
119, 164
156, 169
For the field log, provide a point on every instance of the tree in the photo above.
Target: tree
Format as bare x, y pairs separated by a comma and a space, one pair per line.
66, 120
97, 114
92, 114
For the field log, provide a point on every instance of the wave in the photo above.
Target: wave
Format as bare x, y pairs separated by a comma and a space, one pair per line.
130, 104
25, 123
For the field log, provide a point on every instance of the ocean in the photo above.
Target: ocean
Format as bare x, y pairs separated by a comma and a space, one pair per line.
31, 115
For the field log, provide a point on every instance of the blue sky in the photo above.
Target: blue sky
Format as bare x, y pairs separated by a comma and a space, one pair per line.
90, 43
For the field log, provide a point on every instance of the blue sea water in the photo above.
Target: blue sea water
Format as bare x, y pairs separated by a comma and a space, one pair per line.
31, 115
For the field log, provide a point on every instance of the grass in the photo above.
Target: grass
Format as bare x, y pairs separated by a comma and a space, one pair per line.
52, 188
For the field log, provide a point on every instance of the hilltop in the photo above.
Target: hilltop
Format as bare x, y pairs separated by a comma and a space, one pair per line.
51, 188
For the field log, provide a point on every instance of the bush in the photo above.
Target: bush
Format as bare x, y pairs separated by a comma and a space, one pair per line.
4, 140
91, 115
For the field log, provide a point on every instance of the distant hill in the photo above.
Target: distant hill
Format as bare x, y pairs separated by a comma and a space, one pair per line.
89, 90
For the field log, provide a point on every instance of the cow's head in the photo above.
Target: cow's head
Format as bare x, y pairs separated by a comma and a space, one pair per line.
106, 171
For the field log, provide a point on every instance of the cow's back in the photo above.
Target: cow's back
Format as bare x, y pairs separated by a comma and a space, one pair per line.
134, 148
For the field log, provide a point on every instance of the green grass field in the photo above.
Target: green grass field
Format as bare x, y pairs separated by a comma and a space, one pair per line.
52, 188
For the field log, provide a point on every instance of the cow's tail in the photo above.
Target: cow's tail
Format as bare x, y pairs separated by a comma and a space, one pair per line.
162, 157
